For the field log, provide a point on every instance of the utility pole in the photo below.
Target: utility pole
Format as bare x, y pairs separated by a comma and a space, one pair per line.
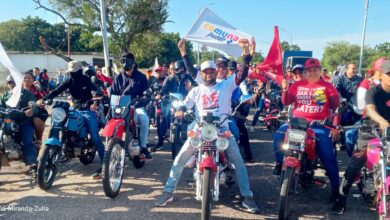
363, 37
104, 31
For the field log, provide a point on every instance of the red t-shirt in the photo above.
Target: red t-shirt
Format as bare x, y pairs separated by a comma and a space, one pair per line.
104, 78
312, 100
367, 83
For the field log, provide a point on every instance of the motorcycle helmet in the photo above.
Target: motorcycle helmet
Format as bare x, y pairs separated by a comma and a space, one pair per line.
127, 60
179, 65
90, 71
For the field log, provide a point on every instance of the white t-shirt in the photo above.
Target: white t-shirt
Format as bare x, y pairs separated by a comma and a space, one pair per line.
216, 99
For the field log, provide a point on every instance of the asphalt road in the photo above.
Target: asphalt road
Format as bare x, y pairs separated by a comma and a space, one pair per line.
75, 195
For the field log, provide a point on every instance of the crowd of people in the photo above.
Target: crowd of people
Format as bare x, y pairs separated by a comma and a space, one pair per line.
307, 88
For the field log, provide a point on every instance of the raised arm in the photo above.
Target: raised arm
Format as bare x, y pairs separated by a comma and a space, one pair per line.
187, 62
247, 57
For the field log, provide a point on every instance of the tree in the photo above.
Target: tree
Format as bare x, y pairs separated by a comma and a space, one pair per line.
163, 46
286, 46
126, 19
342, 52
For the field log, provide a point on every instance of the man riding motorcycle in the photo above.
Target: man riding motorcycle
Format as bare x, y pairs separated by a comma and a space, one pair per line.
378, 110
80, 87
347, 85
132, 82
181, 82
25, 125
205, 97
312, 99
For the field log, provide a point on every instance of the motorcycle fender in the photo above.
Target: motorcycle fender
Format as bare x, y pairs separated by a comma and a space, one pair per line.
373, 157
291, 162
53, 141
310, 145
114, 125
387, 185
207, 162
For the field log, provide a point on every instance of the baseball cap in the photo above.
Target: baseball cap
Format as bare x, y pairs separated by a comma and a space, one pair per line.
222, 60
377, 65
74, 66
10, 79
232, 65
297, 66
312, 62
386, 67
207, 65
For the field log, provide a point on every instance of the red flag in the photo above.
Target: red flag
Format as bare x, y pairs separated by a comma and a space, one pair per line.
272, 65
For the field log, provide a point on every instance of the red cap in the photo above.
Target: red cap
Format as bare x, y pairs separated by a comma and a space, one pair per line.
159, 69
377, 65
312, 62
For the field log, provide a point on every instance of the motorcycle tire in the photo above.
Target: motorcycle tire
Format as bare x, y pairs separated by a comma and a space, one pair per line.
48, 164
287, 181
206, 194
87, 154
109, 188
138, 162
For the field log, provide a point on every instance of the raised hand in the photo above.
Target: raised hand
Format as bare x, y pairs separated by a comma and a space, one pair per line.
244, 44
182, 46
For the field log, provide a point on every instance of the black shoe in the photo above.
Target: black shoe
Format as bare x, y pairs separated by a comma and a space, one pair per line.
146, 153
334, 196
158, 147
339, 205
97, 175
278, 169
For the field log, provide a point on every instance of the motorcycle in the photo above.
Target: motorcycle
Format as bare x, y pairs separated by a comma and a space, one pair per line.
374, 181
69, 136
271, 111
178, 131
300, 159
10, 138
211, 162
121, 123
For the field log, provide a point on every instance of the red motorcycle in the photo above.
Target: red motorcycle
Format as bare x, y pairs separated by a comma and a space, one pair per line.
300, 159
121, 124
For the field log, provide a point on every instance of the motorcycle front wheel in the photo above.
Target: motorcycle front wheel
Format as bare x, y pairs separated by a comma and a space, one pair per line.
287, 181
206, 194
48, 164
176, 142
113, 167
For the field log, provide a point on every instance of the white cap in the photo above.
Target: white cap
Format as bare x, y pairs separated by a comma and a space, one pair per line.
208, 65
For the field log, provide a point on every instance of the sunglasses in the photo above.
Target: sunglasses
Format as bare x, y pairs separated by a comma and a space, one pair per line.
298, 72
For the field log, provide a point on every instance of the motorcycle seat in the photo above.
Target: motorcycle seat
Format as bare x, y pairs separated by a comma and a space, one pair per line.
299, 123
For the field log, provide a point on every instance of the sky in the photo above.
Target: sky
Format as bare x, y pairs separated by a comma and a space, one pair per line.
310, 23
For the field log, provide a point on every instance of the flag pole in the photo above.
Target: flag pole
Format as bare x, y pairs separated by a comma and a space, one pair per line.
363, 37
104, 32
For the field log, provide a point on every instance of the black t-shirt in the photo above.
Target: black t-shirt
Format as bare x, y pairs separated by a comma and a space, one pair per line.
381, 99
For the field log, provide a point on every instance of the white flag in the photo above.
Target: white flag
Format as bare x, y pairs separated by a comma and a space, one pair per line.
213, 31
17, 91
155, 67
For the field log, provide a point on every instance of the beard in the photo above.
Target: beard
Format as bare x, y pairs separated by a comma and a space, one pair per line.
210, 81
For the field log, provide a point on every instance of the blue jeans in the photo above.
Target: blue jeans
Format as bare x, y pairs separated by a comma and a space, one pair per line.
234, 129
234, 156
142, 120
324, 148
166, 120
260, 107
351, 136
27, 136
91, 120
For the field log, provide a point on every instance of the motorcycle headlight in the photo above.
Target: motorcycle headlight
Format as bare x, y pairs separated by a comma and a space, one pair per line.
195, 142
296, 136
222, 143
209, 132
118, 110
58, 115
176, 104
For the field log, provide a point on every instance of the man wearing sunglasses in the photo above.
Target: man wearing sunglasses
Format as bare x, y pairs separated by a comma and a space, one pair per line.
132, 82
